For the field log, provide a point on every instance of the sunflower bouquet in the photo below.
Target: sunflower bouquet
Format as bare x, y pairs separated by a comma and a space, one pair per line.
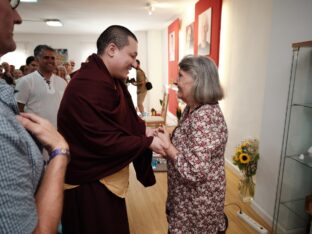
246, 158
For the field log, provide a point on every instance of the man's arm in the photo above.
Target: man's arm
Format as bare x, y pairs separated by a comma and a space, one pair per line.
49, 198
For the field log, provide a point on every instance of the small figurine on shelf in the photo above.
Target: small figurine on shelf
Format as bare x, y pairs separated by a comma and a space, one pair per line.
308, 204
153, 112
308, 210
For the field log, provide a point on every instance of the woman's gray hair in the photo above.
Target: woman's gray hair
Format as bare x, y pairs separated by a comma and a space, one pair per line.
206, 88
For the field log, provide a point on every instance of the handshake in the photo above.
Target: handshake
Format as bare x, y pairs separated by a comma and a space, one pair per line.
161, 143
131, 81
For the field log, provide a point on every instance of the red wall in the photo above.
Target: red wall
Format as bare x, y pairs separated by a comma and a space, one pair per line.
173, 65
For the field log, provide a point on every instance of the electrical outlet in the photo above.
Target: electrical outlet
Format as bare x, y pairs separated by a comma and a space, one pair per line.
252, 222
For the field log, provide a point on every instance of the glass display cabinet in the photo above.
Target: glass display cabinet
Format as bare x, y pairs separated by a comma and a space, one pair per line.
295, 172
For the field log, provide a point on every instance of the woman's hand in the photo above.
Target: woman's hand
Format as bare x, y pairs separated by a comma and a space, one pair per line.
169, 150
43, 130
164, 136
150, 132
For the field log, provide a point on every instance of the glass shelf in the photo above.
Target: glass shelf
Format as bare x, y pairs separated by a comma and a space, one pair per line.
308, 105
306, 160
298, 219
295, 171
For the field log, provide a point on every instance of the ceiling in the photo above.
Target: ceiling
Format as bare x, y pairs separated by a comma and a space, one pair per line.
93, 16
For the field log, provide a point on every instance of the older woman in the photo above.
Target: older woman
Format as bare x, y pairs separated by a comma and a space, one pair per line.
196, 176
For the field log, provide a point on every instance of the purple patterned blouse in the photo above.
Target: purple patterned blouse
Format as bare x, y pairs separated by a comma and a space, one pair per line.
196, 179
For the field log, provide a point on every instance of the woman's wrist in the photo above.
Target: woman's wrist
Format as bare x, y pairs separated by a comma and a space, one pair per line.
171, 152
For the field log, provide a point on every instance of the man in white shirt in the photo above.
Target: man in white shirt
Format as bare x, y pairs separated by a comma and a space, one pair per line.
41, 91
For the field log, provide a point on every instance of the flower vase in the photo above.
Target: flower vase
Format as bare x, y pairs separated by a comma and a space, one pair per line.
246, 188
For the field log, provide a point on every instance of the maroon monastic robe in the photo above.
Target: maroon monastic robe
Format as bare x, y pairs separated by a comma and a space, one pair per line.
99, 121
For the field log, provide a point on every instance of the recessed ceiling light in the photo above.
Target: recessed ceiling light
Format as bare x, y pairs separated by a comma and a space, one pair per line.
29, 0
53, 22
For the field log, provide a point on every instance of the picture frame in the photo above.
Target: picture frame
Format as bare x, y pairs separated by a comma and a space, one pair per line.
172, 46
61, 56
211, 10
189, 39
204, 32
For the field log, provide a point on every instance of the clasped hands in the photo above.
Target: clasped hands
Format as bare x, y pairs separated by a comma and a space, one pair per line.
161, 142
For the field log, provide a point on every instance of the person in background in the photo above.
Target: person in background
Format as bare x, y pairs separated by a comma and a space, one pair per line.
195, 153
100, 123
12, 68
41, 91
140, 83
61, 72
17, 73
30, 201
7, 75
72, 64
25, 70
1, 71
32, 64
68, 67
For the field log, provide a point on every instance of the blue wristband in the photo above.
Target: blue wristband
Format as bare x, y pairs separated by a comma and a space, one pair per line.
59, 151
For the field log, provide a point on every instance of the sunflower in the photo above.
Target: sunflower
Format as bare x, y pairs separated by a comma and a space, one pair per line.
244, 158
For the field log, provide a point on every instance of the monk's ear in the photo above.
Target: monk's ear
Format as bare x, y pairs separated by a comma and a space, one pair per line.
111, 49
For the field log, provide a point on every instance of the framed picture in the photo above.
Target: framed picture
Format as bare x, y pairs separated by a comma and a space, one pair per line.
207, 28
204, 32
61, 56
189, 39
172, 46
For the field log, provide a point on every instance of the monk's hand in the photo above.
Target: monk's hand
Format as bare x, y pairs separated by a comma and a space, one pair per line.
150, 132
158, 146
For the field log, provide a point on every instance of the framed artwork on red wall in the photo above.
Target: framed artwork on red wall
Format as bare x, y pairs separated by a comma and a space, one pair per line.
189, 39
207, 28
173, 61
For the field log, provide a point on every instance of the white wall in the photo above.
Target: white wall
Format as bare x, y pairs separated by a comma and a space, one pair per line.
150, 52
245, 33
291, 22
155, 69
255, 58
79, 46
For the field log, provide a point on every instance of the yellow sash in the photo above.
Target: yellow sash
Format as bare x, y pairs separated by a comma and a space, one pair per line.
117, 183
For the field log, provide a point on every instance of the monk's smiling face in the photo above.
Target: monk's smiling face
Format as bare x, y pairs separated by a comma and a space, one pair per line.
123, 59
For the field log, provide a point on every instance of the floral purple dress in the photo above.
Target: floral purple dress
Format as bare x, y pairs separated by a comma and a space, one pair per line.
196, 179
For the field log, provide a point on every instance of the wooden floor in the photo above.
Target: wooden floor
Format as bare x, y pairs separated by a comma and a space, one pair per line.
146, 206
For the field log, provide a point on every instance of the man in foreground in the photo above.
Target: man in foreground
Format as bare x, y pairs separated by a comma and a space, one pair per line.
30, 202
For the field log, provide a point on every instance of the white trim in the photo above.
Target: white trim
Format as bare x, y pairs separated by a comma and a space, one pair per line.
232, 167
264, 215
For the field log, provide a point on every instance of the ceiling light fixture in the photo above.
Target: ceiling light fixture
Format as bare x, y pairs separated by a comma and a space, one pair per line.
53, 22
150, 8
29, 0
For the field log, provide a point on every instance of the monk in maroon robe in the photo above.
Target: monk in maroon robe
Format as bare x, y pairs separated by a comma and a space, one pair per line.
99, 121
